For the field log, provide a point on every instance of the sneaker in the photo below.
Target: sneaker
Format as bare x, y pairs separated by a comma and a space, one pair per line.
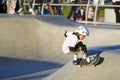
76, 62
90, 59
20, 10
21, 13
32, 11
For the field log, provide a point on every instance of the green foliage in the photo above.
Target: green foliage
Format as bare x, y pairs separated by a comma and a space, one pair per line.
101, 13
66, 10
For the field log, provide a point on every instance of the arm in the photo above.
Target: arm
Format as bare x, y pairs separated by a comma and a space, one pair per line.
77, 46
65, 34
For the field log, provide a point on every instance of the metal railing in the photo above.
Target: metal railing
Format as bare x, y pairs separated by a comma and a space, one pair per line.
87, 6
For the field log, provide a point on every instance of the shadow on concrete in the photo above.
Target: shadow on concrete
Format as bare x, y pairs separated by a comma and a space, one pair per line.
100, 61
12, 67
61, 20
99, 49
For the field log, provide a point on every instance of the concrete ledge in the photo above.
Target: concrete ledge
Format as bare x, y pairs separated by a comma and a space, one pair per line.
109, 15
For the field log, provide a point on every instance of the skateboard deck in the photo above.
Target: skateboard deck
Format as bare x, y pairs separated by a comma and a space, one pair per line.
94, 62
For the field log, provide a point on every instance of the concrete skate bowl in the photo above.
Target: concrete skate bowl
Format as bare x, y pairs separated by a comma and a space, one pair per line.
102, 42
30, 45
30, 49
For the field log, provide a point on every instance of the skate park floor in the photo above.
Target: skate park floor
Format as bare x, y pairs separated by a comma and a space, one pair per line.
30, 49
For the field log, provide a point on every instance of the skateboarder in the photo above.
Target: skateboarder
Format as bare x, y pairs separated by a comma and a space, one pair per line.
73, 44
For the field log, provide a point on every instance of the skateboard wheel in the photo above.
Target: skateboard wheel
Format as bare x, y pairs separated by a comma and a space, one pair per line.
94, 65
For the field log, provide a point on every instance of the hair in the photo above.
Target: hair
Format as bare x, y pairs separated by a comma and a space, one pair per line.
77, 34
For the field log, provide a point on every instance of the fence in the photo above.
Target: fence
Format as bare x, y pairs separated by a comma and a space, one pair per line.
87, 6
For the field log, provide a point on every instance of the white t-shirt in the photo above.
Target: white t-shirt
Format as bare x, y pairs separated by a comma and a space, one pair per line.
70, 41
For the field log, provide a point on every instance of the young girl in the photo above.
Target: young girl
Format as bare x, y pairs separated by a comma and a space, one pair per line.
73, 44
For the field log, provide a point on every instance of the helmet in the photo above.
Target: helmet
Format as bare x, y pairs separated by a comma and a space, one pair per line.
82, 30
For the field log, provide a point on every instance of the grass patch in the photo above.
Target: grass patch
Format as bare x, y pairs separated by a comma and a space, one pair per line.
101, 14
66, 10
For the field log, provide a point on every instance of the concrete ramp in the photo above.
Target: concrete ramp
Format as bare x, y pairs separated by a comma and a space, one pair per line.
30, 45
103, 42
31, 38
107, 70
30, 49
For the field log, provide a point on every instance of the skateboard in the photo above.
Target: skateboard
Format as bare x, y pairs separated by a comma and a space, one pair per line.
93, 62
